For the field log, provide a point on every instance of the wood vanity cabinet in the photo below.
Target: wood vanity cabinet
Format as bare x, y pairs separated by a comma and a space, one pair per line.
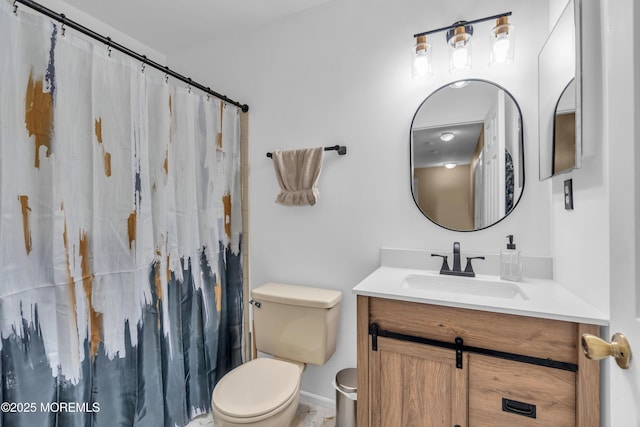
503, 370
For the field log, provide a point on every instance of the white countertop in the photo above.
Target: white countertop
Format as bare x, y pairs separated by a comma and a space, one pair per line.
545, 298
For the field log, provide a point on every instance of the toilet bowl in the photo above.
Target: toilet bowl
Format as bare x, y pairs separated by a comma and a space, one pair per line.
262, 393
298, 326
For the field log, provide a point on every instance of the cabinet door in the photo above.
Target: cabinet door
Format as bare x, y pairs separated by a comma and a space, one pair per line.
416, 385
504, 393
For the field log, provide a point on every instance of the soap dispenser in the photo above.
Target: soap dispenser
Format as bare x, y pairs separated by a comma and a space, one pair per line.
510, 262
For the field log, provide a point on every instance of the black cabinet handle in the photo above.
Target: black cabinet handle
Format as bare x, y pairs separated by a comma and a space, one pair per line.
519, 408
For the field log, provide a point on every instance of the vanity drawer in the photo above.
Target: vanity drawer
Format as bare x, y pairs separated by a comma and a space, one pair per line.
530, 336
504, 393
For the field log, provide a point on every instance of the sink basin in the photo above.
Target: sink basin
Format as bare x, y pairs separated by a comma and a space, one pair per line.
441, 285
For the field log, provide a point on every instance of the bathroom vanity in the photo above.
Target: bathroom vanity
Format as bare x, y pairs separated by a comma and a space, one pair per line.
436, 351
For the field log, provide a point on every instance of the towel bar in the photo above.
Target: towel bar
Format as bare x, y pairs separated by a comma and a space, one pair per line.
341, 149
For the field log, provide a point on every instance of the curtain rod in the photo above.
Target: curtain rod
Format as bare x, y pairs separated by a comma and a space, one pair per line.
60, 17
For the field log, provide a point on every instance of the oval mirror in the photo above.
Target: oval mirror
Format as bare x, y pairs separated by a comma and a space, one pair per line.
467, 157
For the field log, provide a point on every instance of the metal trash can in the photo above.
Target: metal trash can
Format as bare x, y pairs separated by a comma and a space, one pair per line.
346, 384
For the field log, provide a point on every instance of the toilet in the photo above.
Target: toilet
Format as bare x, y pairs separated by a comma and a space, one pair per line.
297, 325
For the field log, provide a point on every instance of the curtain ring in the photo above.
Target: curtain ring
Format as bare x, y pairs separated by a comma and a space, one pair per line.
166, 75
109, 46
144, 63
62, 27
15, 7
208, 94
189, 87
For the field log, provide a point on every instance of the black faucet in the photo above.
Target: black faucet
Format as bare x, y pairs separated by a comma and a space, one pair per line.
457, 270
456, 256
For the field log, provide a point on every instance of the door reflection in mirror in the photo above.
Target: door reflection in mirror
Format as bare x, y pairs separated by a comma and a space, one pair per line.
467, 161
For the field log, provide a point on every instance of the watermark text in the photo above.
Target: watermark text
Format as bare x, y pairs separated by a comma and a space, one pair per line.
70, 407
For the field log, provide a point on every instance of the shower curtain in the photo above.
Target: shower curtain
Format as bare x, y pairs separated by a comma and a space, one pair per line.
120, 235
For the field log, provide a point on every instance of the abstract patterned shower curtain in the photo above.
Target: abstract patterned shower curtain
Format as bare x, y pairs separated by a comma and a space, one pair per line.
120, 236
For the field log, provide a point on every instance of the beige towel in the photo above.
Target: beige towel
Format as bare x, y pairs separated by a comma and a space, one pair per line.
297, 172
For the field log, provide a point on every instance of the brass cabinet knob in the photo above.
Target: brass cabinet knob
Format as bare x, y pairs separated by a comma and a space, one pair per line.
595, 348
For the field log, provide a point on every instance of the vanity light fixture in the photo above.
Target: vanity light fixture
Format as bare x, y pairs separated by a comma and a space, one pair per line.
458, 37
447, 136
449, 165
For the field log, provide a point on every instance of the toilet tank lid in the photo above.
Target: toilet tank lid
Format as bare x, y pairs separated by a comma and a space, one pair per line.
303, 296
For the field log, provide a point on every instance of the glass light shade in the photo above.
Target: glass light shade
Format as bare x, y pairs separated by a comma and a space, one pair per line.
502, 42
460, 50
421, 58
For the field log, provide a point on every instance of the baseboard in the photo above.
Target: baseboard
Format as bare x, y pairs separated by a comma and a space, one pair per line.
315, 399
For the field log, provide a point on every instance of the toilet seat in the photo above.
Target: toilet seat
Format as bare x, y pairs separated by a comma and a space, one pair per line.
257, 389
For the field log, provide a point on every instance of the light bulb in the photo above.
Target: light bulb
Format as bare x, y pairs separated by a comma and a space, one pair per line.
501, 49
421, 65
459, 58
450, 165
502, 45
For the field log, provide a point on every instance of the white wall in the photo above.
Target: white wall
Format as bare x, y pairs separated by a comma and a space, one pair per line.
581, 236
340, 74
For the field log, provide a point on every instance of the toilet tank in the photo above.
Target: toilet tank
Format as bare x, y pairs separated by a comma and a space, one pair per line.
297, 323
